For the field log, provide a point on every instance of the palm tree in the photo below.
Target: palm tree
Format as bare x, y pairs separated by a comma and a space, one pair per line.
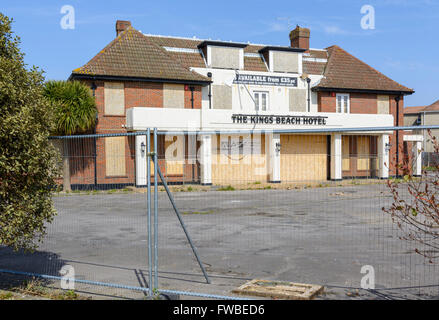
75, 113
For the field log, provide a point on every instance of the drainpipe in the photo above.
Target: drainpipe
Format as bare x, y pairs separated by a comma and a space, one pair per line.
192, 96
308, 80
209, 74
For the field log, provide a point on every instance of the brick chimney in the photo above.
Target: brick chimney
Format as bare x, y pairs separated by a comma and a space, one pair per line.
300, 38
122, 26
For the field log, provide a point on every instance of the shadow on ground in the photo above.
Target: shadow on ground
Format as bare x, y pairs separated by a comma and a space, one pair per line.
12, 263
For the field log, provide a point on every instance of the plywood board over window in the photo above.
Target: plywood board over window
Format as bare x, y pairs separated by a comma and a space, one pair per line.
238, 159
115, 156
224, 57
174, 154
285, 61
222, 97
383, 104
173, 95
114, 98
345, 154
363, 147
303, 158
298, 101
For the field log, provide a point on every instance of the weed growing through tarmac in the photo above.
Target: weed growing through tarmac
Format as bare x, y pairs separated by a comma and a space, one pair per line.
37, 289
6, 296
228, 188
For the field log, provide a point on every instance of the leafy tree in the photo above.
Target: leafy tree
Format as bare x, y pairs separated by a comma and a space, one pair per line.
415, 206
75, 113
28, 161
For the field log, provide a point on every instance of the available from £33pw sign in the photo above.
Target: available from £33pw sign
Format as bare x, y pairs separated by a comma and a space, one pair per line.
265, 80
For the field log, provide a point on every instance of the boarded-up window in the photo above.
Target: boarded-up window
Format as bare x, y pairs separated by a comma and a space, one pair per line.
173, 95
114, 98
298, 100
224, 57
115, 156
383, 104
285, 61
303, 158
345, 154
174, 154
363, 161
222, 97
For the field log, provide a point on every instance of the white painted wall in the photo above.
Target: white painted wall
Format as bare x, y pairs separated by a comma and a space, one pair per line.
206, 159
383, 156
336, 157
204, 119
141, 118
222, 120
272, 140
242, 94
140, 161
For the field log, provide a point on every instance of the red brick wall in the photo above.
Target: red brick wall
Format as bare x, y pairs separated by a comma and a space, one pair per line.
137, 94
367, 103
326, 103
359, 102
197, 98
143, 94
364, 103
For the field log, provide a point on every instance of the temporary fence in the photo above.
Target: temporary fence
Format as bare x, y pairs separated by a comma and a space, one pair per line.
146, 212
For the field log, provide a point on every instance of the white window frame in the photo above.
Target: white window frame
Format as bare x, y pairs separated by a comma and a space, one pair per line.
343, 97
259, 106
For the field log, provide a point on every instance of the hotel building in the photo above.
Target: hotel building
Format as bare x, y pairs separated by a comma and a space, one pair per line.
217, 89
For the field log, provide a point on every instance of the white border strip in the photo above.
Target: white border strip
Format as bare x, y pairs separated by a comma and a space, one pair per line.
181, 50
315, 60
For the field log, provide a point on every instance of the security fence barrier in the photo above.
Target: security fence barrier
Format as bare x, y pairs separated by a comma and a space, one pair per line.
201, 213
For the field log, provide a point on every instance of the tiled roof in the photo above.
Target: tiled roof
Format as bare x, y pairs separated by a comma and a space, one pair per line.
174, 41
194, 60
412, 110
254, 64
344, 71
134, 54
131, 54
432, 107
318, 54
316, 68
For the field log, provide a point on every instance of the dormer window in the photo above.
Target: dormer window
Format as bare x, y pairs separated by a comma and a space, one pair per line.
223, 55
283, 59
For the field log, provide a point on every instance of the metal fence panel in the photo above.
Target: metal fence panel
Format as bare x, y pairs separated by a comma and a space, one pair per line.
304, 228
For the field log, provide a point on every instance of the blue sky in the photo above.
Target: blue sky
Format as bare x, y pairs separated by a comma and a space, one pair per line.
404, 44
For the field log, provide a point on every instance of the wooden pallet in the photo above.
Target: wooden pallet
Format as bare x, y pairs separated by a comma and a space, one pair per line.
279, 290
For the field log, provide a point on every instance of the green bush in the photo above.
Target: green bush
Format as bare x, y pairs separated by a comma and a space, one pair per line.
27, 159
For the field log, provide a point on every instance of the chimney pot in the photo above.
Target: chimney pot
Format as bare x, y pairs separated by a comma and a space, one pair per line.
299, 38
121, 26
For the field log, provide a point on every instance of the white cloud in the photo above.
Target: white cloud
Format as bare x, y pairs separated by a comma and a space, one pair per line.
334, 30
277, 27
